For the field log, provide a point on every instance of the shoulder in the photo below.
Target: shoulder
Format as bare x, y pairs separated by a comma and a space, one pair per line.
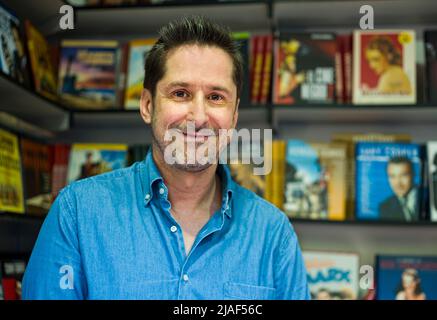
253, 209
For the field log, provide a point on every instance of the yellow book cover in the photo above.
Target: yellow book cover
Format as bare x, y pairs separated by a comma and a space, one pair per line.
278, 168
138, 51
41, 63
88, 160
11, 183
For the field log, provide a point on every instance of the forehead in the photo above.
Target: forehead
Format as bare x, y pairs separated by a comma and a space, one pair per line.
199, 63
399, 166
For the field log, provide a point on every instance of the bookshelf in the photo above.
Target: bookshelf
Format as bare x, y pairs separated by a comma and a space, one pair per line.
315, 122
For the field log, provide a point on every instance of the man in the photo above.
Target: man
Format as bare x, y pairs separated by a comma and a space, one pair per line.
171, 231
403, 205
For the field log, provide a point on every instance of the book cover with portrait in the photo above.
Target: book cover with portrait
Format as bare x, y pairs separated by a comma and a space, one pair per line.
388, 181
432, 178
315, 180
13, 59
88, 160
332, 275
88, 74
138, 51
304, 71
384, 67
406, 277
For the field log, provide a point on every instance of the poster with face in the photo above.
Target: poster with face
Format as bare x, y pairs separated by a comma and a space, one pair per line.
384, 67
388, 180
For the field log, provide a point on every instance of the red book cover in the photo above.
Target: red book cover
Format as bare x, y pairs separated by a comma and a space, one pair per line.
266, 69
339, 71
347, 62
60, 166
10, 289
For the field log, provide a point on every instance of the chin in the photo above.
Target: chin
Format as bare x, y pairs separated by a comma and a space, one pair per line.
196, 167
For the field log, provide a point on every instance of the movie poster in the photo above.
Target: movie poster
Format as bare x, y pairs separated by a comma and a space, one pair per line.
406, 278
432, 174
384, 67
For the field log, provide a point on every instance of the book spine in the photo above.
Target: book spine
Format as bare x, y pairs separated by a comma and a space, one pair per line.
267, 70
257, 72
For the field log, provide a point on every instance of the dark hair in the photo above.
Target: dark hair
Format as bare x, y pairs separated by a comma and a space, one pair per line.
190, 30
385, 45
404, 160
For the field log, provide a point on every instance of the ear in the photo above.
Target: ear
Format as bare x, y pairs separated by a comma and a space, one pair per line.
146, 107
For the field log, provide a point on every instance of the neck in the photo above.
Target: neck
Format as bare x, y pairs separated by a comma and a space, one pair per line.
190, 193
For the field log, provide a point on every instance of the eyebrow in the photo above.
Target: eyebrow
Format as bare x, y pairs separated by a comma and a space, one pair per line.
186, 85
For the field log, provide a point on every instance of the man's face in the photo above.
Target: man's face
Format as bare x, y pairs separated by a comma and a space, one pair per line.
198, 90
377, 61
400, 178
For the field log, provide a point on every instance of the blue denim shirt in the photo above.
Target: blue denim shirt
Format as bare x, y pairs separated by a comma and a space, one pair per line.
112, 236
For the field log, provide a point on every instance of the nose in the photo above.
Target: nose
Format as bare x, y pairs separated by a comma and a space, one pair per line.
198, 111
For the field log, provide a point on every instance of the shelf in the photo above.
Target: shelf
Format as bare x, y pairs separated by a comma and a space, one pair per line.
18, 233
29, 106
346, 13
146, 21
385, 114
366, 223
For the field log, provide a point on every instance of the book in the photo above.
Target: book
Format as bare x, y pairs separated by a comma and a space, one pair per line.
406, 277
243, 159
351, 139
266, 70
138, 51
243, 41
432, 178
11, 185
388, 181
315, 180
431, 64
43, 72
88, 160
384, 67
332, 275
88, 74
304, 71
13, 59
61, 154
275, 180
13, 271
257, 72
37, 165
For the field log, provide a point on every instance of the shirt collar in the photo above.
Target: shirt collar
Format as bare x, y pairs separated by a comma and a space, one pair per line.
153, 183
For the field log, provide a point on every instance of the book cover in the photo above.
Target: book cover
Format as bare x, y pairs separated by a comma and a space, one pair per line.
36, 160
13, 59
88, 160
255, 90
432, 178
61, 155
88, 74
41, 62
388, 181
13, 271
406, 277
11, 184
332, 275
431, 64
304, 70
266, 70
138, 51
275, 180
351, 139
242, 164
315, 180
243, 41
384, 67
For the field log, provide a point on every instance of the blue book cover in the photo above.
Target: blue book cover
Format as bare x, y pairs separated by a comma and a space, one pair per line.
388, 180
406, 278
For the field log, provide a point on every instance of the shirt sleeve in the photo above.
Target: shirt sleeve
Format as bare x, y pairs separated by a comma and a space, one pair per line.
54, 270
290, 271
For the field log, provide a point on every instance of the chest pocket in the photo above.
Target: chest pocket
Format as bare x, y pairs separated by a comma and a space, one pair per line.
248, 292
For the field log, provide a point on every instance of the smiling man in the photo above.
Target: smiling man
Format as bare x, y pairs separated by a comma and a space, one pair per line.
162, 230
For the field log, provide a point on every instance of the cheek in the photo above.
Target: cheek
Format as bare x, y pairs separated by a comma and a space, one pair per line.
221, 118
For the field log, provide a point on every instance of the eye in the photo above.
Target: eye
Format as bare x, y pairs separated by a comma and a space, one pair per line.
216, 97
180, 94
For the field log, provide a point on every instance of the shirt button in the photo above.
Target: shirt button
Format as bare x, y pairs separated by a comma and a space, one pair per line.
173, 229
185, 277
147, 196
161, 191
